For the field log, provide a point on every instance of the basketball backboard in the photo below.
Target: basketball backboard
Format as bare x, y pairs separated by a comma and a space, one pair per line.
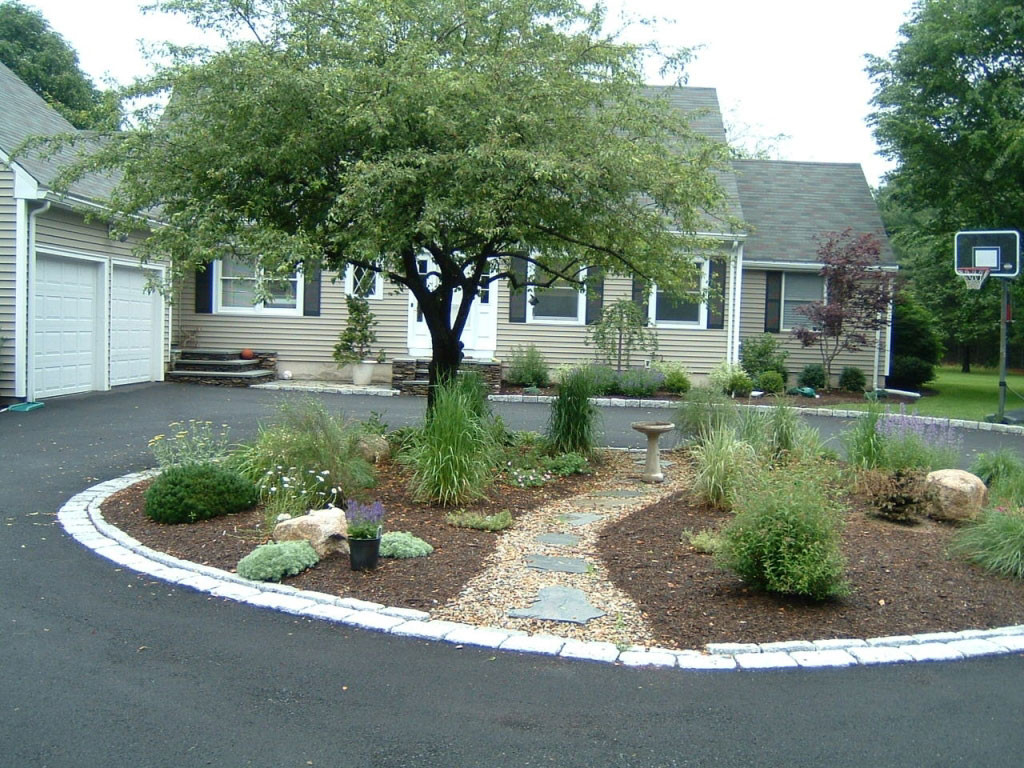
997, 251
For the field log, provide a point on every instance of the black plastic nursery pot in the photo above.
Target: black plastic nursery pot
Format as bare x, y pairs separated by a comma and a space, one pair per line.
363, 553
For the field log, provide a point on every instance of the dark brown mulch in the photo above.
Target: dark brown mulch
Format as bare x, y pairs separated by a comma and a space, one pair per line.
421, 582
901, 578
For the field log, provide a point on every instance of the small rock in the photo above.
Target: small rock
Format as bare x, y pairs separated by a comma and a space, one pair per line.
324, 529
959, 496
373, 448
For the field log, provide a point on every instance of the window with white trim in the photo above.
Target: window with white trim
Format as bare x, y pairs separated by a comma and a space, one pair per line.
559, 303
672, 311
237, 286
798, 290
364, 283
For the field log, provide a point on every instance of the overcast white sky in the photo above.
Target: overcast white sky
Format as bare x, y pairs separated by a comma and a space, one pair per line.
792, 67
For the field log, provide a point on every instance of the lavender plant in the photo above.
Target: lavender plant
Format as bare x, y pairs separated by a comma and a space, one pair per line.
915, 443
364, 520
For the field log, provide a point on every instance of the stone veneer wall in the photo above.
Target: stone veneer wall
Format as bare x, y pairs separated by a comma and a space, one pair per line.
410, 375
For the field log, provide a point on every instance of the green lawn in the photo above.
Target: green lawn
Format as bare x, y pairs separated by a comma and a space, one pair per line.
968, 395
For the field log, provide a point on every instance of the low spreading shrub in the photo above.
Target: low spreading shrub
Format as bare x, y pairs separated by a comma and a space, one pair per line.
566, 464
192, 492
813, 376
496, 522
677, 380
707, 542
785, 537
852, 379
403, 545
702, 412
272, 562
995, 542
771, 382
573, 420
639, 382
527, 367
902, 496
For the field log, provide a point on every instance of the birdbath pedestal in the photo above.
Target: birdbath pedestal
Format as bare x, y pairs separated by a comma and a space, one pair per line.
654, 430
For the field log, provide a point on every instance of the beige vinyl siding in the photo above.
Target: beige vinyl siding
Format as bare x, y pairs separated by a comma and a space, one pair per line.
8, 208
699, 349
63, 231
297, 340
752, 324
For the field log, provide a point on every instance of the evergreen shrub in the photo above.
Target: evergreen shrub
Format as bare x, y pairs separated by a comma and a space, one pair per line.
192, 492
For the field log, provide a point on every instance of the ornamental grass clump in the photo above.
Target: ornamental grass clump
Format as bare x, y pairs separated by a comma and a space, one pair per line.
193, 492
573, 420
785, 537
993, 466
704, 411
403, 545
272, 562
995, 542
724, 462
454, 455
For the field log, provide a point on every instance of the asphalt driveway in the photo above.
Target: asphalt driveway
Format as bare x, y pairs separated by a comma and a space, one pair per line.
102, 667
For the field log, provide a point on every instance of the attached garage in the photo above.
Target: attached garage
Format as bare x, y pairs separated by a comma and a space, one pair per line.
135, 322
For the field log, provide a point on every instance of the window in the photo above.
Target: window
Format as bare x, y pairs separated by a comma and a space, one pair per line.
364, 283
798, 290
560, 302
237, 290
668, 311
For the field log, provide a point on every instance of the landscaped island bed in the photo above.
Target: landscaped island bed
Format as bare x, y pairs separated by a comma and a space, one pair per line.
901, 579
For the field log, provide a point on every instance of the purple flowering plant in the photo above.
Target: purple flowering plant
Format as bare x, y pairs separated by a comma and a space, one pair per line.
364, 520
912, 442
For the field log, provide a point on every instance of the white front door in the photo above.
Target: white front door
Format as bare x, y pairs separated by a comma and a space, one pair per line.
135, 319
479, 337
67, 353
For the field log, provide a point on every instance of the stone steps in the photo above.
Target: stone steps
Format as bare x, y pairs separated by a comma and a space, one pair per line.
223, 367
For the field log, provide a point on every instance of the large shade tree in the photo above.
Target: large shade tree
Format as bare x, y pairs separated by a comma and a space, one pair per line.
328, 133
950, 111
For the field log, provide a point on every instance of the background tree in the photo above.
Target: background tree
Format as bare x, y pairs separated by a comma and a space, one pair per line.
49, 65
859, 294
373, 132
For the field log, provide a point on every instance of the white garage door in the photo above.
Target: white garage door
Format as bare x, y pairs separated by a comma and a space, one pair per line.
134, 325
67, 354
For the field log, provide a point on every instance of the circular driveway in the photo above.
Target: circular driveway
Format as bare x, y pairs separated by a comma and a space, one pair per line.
102, 667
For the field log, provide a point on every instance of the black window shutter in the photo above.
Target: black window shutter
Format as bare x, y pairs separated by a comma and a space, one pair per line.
311, 295
716, 298
595, 295
773, 302
517, 299
640, 296
204, 290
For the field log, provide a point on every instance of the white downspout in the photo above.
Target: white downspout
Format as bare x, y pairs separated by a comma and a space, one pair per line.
30, 304
21, 226
737, 299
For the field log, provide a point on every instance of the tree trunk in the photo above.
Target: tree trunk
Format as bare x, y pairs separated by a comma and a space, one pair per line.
445, 359
965, 358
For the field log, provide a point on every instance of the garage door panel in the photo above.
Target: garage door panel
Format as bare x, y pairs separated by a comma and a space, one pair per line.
134, 328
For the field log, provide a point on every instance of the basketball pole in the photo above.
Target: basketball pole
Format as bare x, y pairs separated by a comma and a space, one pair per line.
1002, 351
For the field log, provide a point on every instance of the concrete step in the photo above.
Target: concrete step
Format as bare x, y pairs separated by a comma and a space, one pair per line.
213, 365
223, 378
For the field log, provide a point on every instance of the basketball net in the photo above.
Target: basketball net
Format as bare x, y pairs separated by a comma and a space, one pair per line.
973, 276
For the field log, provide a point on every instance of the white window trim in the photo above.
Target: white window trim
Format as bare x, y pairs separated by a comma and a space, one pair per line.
782, 296
581, 305
378, 284
702, 314
258, 308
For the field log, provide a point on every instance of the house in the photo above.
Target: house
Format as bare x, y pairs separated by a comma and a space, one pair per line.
74, 312
759, 277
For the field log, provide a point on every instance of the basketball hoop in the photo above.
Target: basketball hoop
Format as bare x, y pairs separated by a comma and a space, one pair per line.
973, 276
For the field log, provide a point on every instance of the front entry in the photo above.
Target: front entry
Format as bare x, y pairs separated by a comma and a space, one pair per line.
479, 337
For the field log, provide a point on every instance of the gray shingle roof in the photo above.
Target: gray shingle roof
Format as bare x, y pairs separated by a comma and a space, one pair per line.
23, 114
788, 203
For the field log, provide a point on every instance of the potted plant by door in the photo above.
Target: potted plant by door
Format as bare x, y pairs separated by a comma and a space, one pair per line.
364, 531
354, 343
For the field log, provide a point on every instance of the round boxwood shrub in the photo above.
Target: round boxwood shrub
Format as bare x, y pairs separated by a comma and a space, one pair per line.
192, 492
272, 562
852, 379
739, 384
771, 382
812, 376
909, 372
402, 544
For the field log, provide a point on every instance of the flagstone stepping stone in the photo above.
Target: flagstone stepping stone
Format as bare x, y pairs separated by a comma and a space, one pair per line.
559, 604
556, 564
591, 502
577, 519
623, 493
558, 539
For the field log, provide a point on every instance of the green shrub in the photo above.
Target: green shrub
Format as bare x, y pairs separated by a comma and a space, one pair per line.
604, 380
454, 455
720, 377
677, 380
759, 354
403, 545
995, 542
527, 367
496, 522
573, 420
852, 379
639, 382
272, 562
993, 466
703, 411
565, 464
723, 462
785, 537
813, 376
771, 382
910, 373
739, 385
196, 442
192, 492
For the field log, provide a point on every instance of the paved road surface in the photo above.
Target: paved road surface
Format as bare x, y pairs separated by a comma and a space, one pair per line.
103, 668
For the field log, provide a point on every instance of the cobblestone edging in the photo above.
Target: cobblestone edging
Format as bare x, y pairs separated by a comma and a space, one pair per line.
82, 520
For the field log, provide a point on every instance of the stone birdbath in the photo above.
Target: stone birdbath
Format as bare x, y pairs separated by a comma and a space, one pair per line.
654, 430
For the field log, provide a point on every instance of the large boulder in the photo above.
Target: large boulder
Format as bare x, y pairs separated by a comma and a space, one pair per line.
373, 448
324, 529
957, 496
